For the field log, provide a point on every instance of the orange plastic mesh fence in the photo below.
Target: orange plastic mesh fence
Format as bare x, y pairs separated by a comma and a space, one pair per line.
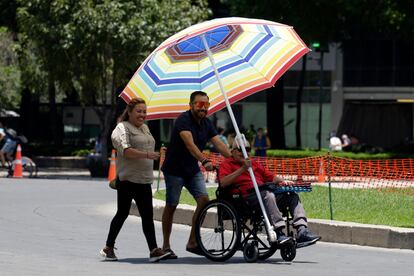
395, 175
391, 175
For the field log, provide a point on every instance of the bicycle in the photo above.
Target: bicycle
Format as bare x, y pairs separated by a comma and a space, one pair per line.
29, 167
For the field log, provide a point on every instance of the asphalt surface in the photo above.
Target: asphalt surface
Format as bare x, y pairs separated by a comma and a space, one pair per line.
58, 226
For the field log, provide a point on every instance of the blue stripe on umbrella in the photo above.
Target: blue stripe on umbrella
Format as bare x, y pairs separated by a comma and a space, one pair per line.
148, 70
165, 74
263, 49
149, 82
257, 46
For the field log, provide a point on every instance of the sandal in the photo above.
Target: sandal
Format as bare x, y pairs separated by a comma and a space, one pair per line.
172, 255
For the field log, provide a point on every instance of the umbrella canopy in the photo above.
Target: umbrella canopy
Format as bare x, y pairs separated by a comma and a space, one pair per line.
249, 55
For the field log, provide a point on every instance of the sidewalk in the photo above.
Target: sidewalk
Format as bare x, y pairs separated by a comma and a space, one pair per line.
331, 231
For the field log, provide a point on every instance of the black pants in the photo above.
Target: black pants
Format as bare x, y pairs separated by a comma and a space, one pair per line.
142, 195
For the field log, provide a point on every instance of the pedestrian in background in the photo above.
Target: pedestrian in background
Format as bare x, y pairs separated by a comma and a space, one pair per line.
135, 150
335, 143
260, 143
346, 143
9, 146
191, 132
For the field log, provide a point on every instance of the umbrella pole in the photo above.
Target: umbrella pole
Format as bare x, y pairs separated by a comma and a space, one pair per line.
241, 141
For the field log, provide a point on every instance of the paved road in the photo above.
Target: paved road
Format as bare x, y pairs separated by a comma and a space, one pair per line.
56, 227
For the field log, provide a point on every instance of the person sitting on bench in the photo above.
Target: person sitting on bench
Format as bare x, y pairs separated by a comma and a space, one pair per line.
234, 170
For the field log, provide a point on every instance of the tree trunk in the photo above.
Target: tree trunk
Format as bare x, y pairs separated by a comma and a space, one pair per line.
275, 118
299, 103
99, 167
53, 118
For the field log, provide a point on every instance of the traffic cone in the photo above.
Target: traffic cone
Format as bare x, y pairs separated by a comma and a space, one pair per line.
321, 177
112, 167
18, 168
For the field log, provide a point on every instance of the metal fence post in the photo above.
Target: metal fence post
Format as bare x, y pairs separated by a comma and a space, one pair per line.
329, 185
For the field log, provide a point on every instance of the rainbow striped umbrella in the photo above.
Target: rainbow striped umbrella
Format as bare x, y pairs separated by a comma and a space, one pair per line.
249, 55
228, 58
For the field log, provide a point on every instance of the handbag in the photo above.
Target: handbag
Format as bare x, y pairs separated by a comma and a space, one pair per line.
113, 184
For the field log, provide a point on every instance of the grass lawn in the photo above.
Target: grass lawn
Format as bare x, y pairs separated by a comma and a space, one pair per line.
356, 205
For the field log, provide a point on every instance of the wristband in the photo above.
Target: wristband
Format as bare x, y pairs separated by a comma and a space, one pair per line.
205, 161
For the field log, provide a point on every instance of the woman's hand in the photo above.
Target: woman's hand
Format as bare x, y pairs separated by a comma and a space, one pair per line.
153, 155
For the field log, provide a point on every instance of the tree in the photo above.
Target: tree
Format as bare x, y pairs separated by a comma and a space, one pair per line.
93, 47
9, 71
328, 21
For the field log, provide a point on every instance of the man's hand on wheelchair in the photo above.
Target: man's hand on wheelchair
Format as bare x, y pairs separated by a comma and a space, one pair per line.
208, 165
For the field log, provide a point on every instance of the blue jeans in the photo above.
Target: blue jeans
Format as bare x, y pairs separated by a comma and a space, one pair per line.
174, 184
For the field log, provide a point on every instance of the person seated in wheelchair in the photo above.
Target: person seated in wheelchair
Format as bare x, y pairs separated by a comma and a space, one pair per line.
233, 173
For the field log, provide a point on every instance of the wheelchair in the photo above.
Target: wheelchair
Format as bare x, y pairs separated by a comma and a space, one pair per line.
227, 224
29, 167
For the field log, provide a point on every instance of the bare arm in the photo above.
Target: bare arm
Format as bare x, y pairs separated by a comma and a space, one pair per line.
268, 144
220, 146
230, 178
134, 153
189, 143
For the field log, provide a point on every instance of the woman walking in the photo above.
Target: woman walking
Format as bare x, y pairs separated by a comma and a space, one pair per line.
135, 150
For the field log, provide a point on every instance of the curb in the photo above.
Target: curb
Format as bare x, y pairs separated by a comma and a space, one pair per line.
331, 231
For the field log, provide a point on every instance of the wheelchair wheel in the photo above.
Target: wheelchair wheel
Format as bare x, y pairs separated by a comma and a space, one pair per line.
218, 230
288, 253
266, 249
250, 252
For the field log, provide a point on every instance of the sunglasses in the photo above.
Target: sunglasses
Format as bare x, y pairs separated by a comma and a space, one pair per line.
248, 149
202, 104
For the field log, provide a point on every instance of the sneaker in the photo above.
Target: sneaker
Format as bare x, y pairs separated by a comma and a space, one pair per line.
281, 237
306, 238
158, 254
108, 253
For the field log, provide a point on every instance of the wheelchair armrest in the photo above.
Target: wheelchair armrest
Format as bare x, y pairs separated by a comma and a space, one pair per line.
285, 187
226, 192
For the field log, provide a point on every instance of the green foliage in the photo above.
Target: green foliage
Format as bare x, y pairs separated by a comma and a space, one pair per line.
81, 152
362, 206
89, 49
95, 46
353, 205
333, 20
9, 71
